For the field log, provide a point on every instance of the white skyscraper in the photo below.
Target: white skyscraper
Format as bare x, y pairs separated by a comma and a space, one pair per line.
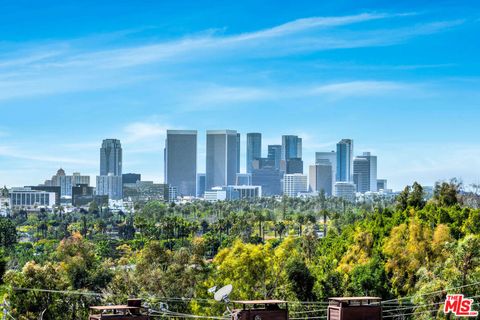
294, 184
328, 158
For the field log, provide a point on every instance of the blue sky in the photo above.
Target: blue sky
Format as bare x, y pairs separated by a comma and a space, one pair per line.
401, 79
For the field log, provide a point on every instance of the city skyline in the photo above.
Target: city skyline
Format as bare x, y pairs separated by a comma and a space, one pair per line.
307, 163
400, 79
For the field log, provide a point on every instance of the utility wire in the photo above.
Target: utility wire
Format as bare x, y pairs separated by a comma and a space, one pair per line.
434, 292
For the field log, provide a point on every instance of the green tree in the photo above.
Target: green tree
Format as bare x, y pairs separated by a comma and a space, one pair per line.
8, 233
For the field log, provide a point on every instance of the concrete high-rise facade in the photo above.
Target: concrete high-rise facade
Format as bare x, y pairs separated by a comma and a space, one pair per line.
181, 161
328, 158
365, 172
110, 185
320, 178
275, 154
254, 149
238, 152
361, 174
221, 160
344, 161
111, 157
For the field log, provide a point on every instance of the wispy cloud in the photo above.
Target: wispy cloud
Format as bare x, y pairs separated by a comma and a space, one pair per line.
217, 96
360, 88
64, 68
12, 152
140, 131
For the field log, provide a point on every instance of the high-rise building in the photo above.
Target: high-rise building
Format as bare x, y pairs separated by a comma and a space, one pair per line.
345, 190
262, 163
238, 152
291, 147
200, 185
381, 184
181, 161
270, 179
109, 182
110, 186
344, 161
328, 158
111, 157
275, 154
365, 172
294, 165
131, 177
221, 160
81, 191
293, 184
320, 178
361, 174
254, 149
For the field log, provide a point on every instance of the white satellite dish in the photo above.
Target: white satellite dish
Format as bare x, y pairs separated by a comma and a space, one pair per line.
223, 293
212, 289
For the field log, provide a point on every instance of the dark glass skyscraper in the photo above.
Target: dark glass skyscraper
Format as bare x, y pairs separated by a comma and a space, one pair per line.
291, 147
111, 158
221, 164
131, 177
345, 161
254, 149
275, 154
181, 161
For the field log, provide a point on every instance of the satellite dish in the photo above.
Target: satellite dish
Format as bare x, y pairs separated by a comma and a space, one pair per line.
223, 293
212, 289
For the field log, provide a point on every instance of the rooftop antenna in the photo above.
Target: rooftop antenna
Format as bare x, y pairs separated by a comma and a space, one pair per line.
222, 294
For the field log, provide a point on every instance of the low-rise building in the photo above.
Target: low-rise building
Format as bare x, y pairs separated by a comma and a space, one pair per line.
28, 199
345, 190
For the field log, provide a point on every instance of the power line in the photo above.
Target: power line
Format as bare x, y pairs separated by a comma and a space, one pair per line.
434, 292
86, 293
409, 314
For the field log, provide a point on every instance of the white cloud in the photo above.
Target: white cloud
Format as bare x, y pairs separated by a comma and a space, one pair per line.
72, 69
360, 88
12, 152
138, 131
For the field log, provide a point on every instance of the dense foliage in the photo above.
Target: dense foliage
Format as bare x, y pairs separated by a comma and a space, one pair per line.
270, 248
